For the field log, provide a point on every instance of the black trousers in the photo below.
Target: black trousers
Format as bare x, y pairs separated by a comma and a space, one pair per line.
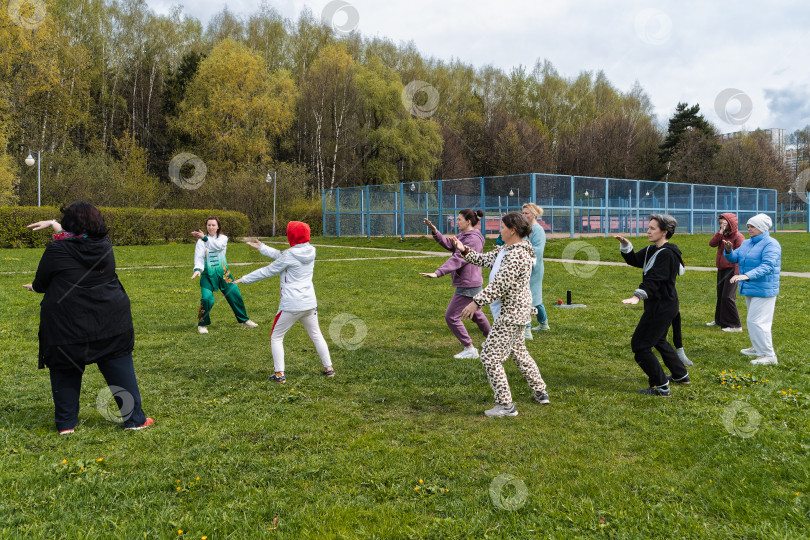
66, 386
652, 332
725, 311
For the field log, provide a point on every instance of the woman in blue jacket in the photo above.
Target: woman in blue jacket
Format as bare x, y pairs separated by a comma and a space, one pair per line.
760, 259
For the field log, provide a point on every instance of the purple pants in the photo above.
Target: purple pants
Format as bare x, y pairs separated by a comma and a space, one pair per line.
454, 322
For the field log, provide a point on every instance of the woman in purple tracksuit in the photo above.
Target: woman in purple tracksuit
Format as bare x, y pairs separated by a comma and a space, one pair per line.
466, 278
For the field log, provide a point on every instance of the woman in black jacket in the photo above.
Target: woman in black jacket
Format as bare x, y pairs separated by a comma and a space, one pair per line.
660, 263
85, 317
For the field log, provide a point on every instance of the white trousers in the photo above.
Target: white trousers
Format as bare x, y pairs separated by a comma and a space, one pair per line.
284, 321
760, 321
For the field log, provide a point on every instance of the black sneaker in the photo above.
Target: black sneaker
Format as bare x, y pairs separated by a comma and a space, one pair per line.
541, 397
329, 372
662, 390
278, 378
682, 380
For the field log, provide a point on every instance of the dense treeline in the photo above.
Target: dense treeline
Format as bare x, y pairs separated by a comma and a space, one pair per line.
111, 92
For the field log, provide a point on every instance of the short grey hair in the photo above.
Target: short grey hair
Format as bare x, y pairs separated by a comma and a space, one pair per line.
665, 223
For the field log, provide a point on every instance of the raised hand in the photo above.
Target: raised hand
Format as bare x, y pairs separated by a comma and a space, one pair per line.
430, 275
457, 243
728, 246
44, 224
256, 244
431, 225
624, 241
198, 234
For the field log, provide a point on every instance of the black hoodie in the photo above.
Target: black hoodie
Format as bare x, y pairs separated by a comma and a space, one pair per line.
85, 307
659, 279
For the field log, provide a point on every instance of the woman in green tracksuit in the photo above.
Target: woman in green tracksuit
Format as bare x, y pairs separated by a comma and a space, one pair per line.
212, 268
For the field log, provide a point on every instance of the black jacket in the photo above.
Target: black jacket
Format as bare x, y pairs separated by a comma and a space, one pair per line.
85, 314
659, 280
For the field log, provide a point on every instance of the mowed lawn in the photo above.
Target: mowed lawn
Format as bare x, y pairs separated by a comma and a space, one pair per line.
396, 445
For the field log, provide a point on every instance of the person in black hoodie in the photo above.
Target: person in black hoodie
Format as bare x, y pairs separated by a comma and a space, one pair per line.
660, 263
85, 317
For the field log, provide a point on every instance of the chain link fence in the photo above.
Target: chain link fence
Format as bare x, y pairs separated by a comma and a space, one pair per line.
573, 205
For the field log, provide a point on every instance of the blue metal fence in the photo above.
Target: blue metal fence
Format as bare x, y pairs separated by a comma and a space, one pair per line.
572, 204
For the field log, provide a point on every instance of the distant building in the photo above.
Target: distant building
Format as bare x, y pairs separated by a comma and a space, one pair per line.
794, 160
777, 137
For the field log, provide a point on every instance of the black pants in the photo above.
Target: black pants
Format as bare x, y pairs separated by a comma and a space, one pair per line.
725, 312
677, 335
66, 386
652, 332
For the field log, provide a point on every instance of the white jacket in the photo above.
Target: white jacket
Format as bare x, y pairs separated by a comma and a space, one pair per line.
216, 247
294, 267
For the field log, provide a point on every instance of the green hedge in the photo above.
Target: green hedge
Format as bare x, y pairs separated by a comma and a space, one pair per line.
128, 226
310, 212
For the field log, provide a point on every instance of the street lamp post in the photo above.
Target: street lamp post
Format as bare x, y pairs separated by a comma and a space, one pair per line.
30, 162
512, 194
790, 209
588, 195
271, 177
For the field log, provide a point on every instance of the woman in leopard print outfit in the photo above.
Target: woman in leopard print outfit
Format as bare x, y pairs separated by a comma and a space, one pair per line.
507, 337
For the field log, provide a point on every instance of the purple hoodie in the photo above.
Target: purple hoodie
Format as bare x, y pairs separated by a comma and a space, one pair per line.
465, 275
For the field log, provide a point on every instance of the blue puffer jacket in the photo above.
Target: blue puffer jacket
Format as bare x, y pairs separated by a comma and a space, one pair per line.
760, 258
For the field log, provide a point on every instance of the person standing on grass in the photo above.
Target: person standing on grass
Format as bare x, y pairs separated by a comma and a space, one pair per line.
211, 267
466, 278
85, 317
760, 261
508, 336
294, 268
537, 239
726, 315
660, 263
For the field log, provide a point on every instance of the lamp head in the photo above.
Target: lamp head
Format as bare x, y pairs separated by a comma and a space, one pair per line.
511, 193
586, 193
30, 160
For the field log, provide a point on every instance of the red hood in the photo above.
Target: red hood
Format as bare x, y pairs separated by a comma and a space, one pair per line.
297, 233
732, 223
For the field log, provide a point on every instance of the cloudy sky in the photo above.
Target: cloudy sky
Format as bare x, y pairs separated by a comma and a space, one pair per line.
746, 63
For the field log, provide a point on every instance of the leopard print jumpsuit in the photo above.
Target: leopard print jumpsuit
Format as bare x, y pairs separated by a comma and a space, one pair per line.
507, 337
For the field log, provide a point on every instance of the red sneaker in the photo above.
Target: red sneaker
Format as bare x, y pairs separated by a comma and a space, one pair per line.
149, 422
66, 431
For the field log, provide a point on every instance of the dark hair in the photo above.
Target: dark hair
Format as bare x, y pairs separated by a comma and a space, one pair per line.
473, 216
517, 222
219, 225
84, 218
665, 223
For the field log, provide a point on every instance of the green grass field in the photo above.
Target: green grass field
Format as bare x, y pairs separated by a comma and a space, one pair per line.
232, 455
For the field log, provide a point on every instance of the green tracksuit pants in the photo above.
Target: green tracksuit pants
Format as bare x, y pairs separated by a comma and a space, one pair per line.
220, 280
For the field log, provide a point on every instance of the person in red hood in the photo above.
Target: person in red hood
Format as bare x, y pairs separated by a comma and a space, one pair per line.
294, 268
726, 315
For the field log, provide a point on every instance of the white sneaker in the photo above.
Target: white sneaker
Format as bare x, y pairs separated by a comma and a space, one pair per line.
682, 356
249, 324
711, 323
541, 326
202, 329
528, 333
501, 410
469, 352
765, 361
732, 329
750, 351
